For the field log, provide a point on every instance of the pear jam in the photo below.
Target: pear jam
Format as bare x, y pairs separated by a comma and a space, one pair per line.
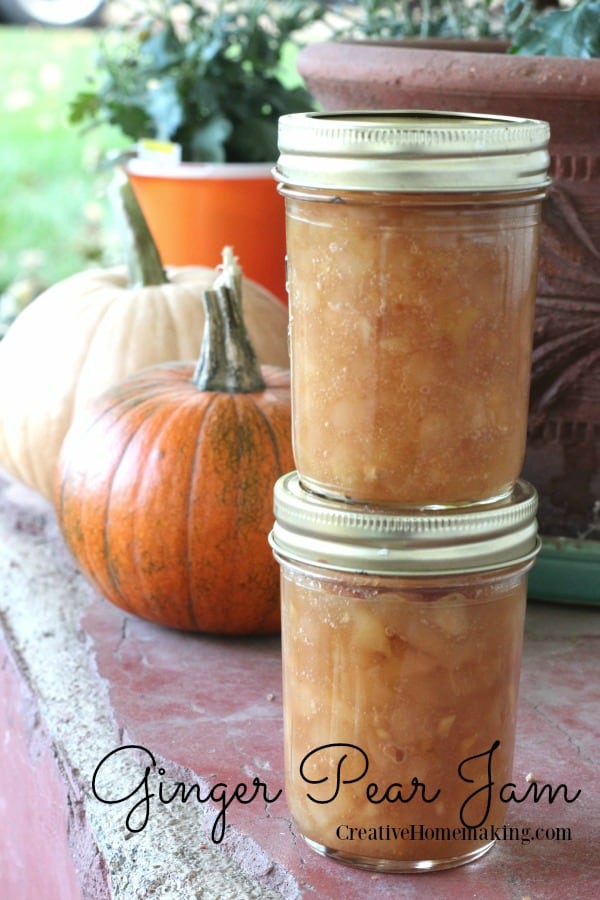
400, 678
412, 248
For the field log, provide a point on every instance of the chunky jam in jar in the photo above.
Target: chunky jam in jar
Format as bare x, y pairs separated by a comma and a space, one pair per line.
411, 334
401, 645
412, 299
409, 687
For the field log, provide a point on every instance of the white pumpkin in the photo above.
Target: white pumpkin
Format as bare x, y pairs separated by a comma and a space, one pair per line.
90, 331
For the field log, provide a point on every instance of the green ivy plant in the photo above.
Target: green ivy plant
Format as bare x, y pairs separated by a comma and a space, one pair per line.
208, 76
212, 76
534, 27
574, 31
383, 19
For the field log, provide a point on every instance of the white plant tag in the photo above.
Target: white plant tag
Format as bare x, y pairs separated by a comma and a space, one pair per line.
162, 152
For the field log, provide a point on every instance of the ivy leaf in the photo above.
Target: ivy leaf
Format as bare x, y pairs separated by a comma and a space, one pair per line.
132, 119
573, 32
86, 105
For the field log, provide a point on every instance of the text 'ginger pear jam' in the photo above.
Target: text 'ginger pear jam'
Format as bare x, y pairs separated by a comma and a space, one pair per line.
401, 647
412, 248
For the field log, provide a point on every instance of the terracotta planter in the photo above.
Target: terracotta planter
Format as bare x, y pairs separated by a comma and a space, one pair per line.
563, 456
195, 209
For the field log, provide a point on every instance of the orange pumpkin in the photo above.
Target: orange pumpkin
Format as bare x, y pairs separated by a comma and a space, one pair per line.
164, 485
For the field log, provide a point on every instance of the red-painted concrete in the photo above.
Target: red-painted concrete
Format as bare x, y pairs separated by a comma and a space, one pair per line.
213, 706
36, 861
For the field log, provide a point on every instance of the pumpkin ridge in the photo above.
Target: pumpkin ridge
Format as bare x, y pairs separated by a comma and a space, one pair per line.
239, 487
34, 462
109, 567
87, 357
272, 436
137, 390
232, 400
73, 519
121, 403
152, 602
189, 515
65, 513
157, 302
170, 303
251, 418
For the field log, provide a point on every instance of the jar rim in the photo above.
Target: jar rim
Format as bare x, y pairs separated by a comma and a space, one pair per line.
412, 151
353, 537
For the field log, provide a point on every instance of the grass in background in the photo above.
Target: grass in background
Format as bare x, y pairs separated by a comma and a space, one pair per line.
54, 217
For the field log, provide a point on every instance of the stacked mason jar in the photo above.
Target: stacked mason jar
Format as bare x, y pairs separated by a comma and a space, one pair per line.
405, 535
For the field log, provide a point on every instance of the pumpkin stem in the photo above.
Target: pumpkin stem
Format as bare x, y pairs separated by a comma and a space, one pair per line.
143, 259
227, 361
230, 273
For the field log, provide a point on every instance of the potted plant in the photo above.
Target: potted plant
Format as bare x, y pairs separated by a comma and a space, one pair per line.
561, 84
199, 87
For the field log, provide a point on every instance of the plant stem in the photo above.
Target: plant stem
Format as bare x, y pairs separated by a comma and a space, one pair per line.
143, 260
227, 361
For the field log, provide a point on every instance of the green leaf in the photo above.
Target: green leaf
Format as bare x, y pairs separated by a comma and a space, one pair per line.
86, 105
573, 32
132, 120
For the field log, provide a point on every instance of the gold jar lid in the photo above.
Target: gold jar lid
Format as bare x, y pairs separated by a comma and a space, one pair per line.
353, 537
412, 151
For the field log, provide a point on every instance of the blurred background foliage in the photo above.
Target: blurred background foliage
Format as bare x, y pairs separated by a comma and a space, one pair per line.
54, 215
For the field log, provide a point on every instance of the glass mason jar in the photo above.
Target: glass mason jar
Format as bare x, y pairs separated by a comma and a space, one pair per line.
412, 247
401, 646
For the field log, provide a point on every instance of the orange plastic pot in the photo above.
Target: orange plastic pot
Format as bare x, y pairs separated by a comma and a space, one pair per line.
195, 209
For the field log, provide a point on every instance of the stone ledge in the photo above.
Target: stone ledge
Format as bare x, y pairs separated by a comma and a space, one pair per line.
60, 723
80, 679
